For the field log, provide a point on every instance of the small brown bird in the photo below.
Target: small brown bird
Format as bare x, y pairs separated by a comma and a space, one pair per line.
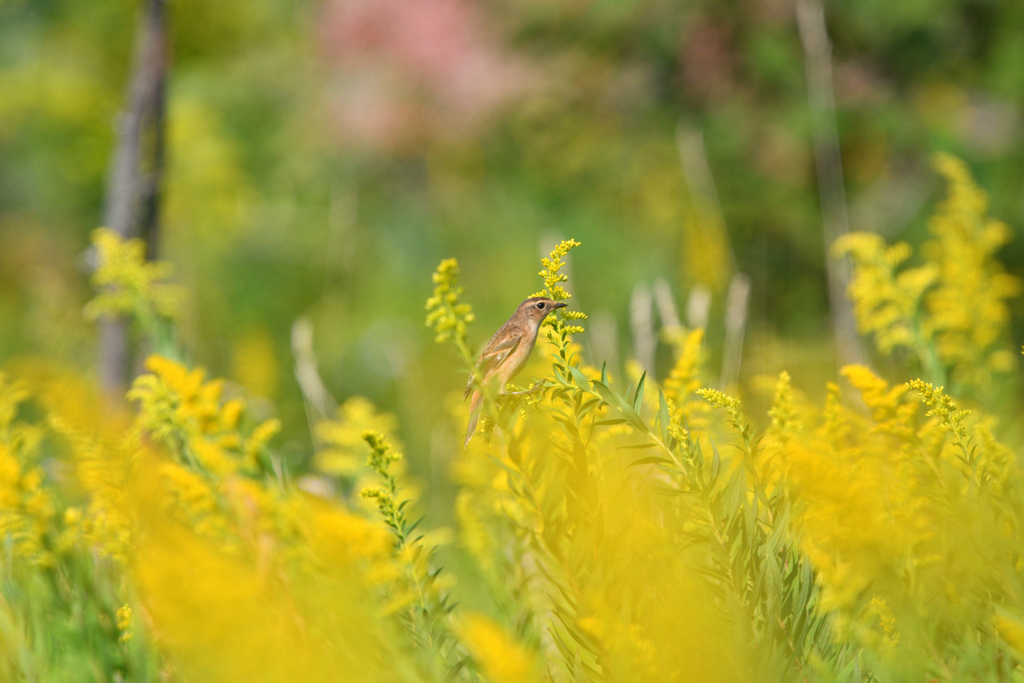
507, 352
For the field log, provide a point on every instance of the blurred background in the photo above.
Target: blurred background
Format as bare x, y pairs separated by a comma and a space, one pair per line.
322, 157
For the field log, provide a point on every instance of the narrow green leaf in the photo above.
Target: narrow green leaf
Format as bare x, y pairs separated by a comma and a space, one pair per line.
607, 394
638, 397
634, 420
716, 462
630, 391
651, 460
665, 491
581, 381
588, 406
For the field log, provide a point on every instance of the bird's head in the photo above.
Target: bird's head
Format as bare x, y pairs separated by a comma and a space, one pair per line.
536, 308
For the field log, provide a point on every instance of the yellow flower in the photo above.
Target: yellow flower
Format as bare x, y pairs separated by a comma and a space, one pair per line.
968, 310
127, 283
190, 415
782, 413
952, 311
28, 509
886, 620
258, 440
123, 616
553, 290
343, 450
718, 399
890, 412
501, 658
552, 278
1010, 628
446, 315
886, 302
686, 378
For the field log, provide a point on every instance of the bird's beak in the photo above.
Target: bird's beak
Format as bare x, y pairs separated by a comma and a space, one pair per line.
560, 305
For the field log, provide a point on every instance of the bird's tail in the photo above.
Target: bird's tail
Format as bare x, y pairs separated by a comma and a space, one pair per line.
474, 415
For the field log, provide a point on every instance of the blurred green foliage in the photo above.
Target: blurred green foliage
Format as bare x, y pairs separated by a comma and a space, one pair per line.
323, 157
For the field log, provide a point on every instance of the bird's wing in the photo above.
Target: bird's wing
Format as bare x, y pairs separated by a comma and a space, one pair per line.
496, 352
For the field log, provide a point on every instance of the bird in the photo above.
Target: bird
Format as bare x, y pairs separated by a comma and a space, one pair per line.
507, 352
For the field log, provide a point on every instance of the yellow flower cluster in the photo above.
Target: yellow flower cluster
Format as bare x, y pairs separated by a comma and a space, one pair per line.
127, 284
967, 308
223, 617
623, 533
885, 503
445, 314
102, 448
785, 421
886, 302
951, 311
125, 623
502, 659
553, 286
886, 620
562, 501
558, 511
686, 378
191, 417
27, 508
719, 399
242, 576
941, 406
552, 278
343, 450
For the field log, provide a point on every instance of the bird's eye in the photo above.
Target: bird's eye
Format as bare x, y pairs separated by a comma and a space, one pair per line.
541, 305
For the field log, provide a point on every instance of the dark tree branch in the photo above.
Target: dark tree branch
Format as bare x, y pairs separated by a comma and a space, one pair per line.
136, 174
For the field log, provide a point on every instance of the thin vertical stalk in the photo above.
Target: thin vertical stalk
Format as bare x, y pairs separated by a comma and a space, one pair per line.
810, 17
136, 174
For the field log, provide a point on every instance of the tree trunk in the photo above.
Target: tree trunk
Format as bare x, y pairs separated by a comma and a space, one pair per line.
134, 180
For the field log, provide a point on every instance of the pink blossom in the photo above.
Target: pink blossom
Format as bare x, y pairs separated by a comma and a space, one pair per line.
428, 58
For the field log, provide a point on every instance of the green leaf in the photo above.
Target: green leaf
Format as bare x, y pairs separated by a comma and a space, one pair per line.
736, 491
570, 429
651, 460
567, 422
637, 446
614, 400
607, 394
581, 380
517, 476
663, 417
566, 653
716, 462
638, 397
580, 638
666, 491
588, 406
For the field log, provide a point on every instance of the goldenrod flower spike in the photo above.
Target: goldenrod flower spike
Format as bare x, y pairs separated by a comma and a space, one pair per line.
447, 315
951, 311
127, 284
